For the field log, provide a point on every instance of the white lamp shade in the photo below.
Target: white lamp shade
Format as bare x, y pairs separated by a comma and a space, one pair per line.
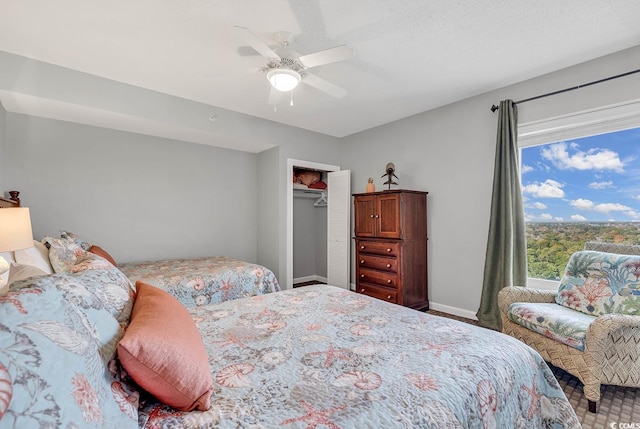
15, 229
284, 79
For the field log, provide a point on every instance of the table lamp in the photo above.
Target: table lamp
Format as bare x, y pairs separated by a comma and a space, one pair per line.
15, 233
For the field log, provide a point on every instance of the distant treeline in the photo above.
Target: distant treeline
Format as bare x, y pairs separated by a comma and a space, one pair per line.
549, 245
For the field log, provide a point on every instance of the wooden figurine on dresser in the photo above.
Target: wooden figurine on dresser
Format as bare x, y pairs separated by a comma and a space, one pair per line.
391, 246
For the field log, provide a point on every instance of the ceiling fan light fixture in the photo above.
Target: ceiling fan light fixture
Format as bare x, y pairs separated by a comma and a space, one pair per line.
284, 79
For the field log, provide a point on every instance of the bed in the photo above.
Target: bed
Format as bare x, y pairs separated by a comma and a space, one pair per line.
320, 356
193, 281
202, 281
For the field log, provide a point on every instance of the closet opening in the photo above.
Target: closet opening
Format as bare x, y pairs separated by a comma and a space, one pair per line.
315, 234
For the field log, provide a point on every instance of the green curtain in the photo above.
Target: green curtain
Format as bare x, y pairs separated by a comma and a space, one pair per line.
506, 257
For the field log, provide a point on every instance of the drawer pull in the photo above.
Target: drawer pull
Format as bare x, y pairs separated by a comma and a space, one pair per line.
388, 249
388, 265
361, 290
362, 247
389, 281
372, 216
388, 296
361, 276
362, 261
377, 216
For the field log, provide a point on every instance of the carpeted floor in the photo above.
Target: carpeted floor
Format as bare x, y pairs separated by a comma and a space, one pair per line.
619, 405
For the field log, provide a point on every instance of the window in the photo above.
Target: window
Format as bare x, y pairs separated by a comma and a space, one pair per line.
580, 190
581, 182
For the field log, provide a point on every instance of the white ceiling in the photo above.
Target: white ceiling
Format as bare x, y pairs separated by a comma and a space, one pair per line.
410, 55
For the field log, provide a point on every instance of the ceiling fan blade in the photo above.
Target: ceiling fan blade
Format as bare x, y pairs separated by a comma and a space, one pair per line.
246, 51
324, 85
256, 43
274, 96
327, 56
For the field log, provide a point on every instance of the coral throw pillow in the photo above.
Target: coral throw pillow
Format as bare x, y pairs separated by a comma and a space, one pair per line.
97, 250
162, 351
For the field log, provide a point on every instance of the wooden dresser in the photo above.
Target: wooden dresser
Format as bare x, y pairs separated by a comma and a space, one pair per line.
391, 246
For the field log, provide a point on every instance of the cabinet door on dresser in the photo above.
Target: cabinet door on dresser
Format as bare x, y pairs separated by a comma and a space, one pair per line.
388, 216
364, 216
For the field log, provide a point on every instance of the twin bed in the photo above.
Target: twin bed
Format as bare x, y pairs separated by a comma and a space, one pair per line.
311, 357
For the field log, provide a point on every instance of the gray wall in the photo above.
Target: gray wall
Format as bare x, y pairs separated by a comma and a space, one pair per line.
3, 126
309, 238
449, 152
139, 197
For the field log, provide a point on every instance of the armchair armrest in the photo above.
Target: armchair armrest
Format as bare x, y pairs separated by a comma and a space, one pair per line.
511, 294
612, 325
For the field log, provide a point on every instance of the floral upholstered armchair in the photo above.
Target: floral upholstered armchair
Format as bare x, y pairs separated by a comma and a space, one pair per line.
590, 326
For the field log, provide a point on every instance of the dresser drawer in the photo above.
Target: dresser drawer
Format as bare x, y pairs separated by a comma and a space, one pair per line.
378, 277
385, 294
378, 248
378, 262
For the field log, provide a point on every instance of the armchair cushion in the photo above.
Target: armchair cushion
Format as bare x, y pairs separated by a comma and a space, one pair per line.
598, 283
553, 321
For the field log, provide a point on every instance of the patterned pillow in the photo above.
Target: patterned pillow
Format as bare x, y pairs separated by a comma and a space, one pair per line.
92, 283
599, 283
63, 254
620, 249
57, 364
66, 235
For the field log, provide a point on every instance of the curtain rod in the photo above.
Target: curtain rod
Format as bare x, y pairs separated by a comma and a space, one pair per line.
494, 107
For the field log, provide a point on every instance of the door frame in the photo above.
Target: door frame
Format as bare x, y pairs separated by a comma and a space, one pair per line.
289, 186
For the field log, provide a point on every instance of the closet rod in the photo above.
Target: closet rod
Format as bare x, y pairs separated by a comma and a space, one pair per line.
494, 107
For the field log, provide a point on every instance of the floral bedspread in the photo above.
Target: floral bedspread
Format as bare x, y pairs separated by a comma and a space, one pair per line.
323, 357
202, 281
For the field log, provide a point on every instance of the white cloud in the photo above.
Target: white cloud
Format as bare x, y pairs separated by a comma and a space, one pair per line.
578, 218
594, 159
546, 216
539, 205
601, 185
584, 204
633, 214
559, 219
548, 189
611, 207
536, 205
526, 169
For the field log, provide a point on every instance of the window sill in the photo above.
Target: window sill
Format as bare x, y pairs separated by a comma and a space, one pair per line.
542, 284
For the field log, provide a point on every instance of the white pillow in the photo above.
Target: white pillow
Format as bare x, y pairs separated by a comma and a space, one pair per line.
38, 255
19, 272
4, 277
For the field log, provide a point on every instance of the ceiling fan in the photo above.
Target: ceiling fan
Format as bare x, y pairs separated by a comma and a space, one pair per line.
286, 68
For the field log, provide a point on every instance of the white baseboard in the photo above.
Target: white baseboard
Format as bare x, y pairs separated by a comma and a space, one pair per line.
460, 312
312, 278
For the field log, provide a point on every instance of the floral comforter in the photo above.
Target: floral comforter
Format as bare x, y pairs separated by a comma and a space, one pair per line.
202, 281
322, 357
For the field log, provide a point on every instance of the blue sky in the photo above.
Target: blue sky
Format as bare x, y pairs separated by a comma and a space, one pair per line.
589, 179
